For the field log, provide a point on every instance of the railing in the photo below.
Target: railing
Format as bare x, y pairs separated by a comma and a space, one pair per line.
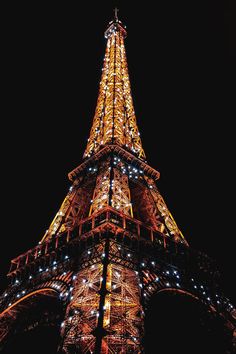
125, 229
96, 222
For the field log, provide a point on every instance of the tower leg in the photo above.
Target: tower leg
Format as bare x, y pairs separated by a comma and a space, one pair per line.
105, 313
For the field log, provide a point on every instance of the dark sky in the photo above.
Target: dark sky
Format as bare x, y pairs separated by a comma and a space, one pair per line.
180, 57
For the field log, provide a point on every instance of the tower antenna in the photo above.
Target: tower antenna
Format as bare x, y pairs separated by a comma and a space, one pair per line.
116, 14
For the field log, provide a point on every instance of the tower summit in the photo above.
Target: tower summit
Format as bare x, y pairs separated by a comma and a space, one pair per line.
114, 120
113, 244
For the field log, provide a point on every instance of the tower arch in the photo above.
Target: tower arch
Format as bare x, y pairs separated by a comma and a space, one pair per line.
177, 320
41, 308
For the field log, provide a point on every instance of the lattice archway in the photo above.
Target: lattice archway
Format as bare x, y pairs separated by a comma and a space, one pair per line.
40, 308
177, 320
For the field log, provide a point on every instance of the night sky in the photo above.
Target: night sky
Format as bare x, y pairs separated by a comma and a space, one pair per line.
180, 57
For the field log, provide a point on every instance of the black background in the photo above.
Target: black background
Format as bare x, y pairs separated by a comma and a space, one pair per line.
181, 62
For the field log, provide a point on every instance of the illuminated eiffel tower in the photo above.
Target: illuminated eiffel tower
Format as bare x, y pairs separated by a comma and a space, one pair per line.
113, 243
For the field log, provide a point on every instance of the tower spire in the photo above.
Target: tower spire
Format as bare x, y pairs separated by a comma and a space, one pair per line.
116, 14
114, 120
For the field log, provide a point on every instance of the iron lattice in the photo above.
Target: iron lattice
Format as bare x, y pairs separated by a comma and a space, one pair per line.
113, 244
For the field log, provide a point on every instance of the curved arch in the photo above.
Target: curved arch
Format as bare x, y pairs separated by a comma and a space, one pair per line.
43, 290
181, 291
37, 309
185, 292
169, 320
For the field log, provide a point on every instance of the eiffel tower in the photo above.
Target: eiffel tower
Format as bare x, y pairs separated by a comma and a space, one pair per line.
113, 244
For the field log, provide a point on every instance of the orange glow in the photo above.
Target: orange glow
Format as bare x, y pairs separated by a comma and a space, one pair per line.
27, 296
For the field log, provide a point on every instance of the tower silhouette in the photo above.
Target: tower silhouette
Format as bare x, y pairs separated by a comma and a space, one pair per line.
113, 244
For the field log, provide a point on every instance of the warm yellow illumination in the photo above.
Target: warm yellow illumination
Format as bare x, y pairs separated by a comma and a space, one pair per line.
114, 120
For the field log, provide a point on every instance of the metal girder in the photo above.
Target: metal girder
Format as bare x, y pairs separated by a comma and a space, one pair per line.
105, 312
114, 120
